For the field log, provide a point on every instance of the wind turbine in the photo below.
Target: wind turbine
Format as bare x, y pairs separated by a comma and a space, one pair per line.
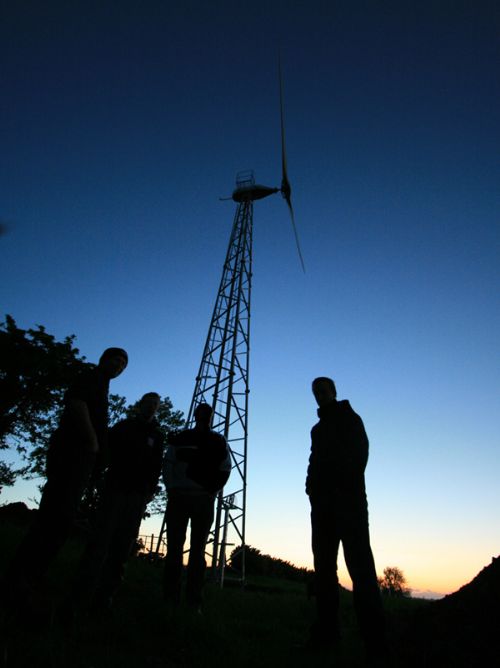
223, 376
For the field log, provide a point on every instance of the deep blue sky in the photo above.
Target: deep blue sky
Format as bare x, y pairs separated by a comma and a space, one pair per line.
123, 123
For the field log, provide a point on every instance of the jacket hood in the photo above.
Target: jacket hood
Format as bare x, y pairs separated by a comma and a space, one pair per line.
334, 408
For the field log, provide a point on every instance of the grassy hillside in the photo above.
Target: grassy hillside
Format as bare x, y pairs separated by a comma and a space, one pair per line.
259, 627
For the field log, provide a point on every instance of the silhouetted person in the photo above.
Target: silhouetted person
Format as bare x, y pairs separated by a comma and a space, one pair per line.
136, 452
75, 448
197, 466
339, 512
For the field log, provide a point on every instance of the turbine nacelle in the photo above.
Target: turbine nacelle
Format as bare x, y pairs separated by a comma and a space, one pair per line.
252, 192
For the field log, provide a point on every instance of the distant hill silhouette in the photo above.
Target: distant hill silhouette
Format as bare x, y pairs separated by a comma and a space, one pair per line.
478, 596
460, 630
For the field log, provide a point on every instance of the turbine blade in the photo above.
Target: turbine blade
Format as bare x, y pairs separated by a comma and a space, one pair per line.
292, 217
285, 184
286, 189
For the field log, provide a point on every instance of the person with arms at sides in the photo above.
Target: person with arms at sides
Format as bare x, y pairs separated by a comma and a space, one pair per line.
335, 485
197, 466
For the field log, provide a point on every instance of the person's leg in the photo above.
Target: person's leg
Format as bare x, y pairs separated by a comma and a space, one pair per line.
202, 515
61, 497
125, 532
177, 518
325, 545
366, 593
89, 572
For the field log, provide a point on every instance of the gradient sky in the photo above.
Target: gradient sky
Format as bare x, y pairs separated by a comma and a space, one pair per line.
121, 126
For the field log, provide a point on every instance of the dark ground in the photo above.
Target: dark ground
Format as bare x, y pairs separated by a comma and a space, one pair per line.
259, 627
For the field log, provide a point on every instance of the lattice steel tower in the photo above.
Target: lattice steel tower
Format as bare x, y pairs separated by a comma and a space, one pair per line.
223, 377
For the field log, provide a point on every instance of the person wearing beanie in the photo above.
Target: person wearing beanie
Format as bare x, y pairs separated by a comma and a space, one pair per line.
77, 445
111, 353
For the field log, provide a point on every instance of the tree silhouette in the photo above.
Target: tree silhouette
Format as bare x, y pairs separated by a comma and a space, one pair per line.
393, 582
7, 475
35, 371
257, 563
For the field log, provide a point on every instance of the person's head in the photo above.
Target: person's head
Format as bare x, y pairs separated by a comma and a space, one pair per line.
203, 415
324, 390
148, 405
113, 361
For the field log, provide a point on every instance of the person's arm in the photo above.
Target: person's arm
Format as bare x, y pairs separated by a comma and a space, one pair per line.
156, 466
359, 449
116, 439
79, 412
224, 466
309, 476
168, 472
311, 467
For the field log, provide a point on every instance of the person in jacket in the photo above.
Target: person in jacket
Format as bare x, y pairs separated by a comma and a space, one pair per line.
136, 453
75, 450
339, 512
197, 466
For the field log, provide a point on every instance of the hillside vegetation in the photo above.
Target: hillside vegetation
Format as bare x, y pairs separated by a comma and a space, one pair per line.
261, 626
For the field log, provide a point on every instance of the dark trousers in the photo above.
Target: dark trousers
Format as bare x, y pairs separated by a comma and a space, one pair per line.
102, 566
58, 508
182, 508
330, 526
